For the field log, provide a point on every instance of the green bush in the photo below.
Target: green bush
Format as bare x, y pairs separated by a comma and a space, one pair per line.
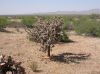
87, 26
63, 37
3, 23
29, 21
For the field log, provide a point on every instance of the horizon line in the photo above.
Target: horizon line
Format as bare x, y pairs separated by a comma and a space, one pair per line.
44, 13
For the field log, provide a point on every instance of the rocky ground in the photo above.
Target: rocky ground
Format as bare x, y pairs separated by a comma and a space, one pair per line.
83, 54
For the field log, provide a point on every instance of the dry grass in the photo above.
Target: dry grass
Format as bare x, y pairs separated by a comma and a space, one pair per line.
34, 66
17, 45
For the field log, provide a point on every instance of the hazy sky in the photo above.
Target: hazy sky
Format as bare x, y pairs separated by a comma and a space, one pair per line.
35, 6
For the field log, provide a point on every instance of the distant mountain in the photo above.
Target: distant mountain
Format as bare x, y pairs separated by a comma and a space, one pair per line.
85, 12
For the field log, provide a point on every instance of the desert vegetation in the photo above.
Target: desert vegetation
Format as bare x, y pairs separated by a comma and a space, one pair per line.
82, 24
48, 32
86, 24
71, 42
3, 23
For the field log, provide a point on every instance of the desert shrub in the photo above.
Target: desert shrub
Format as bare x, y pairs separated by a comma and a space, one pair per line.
33, 66
65, 21
3, 23
94, 16
96, 29
63, 37
47, 17
47, 32
87, 26
68, 23
29, 21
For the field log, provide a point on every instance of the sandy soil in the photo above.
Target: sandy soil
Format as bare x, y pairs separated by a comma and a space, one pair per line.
17, 45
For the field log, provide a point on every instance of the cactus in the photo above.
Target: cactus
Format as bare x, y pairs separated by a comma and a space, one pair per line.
46, 32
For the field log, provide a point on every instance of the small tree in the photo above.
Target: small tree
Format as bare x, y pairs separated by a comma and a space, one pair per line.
47, 32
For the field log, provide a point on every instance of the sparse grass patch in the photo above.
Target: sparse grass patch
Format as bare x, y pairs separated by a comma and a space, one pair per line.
33, 65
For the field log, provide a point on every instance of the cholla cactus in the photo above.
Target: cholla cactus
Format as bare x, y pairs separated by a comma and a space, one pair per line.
47, 33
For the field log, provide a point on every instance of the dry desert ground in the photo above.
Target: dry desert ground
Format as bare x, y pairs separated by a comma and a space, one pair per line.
83, 53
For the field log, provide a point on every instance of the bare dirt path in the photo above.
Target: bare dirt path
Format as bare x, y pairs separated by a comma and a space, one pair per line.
17, 45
